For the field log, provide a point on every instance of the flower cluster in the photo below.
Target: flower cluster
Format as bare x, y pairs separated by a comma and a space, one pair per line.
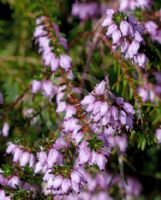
47, 88
126, 5
20, 155
126, 34
105, 110
50, 59
92, 157
47, 160
58, 185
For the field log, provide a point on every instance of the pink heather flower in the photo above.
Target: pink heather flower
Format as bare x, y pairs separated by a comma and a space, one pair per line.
101, 161
44, 44
84, 153
124, 46
36, 86
138, 37
89, 99
48, 175
66, 186
10, 147
75, 187
17, 154
57, 182
96, 107
32, 161
48, 56
124, 27
24, 159
5, 129
116, 35
65, 62
60, 143
42, 157
133, 49
38, 167
70, 111
100, 88
114, 112
110, 12
54, 63
109, 131
141, 60
14, 182
158, 135
107, 22
39, 31
111, 29
61, 107
122, 117
48, 88
77, 136
52, 157
128, 108
75, 177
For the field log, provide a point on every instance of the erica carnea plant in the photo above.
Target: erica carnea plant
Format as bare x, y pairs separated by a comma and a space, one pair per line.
80, 118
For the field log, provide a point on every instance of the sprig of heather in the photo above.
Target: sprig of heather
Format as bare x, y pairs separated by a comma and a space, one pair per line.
87, 134
126, 35
107, 111
53, 57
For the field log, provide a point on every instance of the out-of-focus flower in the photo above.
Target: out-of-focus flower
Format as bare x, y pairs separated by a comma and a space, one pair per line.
5, 129
158, 135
